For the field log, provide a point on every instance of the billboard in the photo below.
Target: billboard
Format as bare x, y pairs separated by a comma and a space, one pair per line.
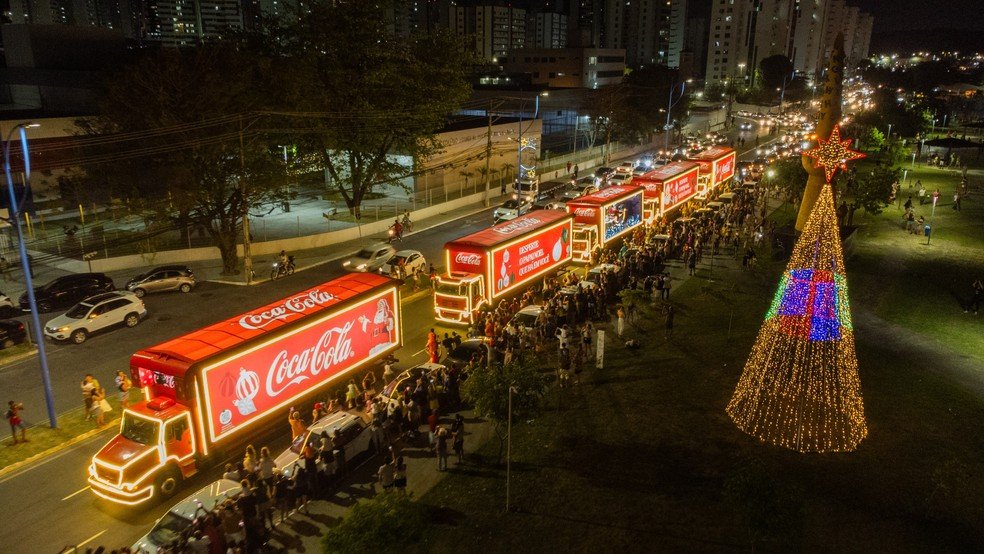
622, 216
530, 256
276, 372
678, 190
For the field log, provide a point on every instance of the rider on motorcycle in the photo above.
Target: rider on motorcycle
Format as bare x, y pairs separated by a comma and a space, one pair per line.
283, 258
397, 230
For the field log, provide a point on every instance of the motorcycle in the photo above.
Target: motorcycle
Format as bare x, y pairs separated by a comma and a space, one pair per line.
282, 270
394, 235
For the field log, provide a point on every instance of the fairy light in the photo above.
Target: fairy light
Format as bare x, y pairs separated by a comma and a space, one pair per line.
800, 387
832, 154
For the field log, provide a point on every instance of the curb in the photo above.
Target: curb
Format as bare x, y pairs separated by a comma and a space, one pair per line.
43, 454
349, 253
19, 357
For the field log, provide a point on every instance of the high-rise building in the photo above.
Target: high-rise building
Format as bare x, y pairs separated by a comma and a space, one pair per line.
744, 32
862, 38
808, 37
546, 30
641, 27
584, 22
687, 42
856, 27
495, 30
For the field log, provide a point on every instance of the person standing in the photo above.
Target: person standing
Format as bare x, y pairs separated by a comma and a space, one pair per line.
575, 171
433, 347
400, 475
569, 165
99, 406
89, 386
123, 385
386, 475
297, 427
442, 449
620, 321
14, 419
956, 201
668, 314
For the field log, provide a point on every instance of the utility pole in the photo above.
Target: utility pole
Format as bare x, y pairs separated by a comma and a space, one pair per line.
247, 256
488, 154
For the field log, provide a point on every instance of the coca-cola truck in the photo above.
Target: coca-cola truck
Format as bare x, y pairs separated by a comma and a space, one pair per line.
210, 391
717, 166
499, 261
667, 188
603, 217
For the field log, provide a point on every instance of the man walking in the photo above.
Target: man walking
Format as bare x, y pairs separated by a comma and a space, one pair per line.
15, 421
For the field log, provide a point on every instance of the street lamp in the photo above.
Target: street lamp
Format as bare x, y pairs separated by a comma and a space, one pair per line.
519, 150
669, 112
25, 263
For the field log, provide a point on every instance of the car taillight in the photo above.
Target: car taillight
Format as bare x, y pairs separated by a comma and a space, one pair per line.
20, 326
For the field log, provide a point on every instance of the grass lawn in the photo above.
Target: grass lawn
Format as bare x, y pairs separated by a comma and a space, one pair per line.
643, 457
42, 437
15, 352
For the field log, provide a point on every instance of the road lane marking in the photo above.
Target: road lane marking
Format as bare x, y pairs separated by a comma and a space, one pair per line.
90, 539
80, 491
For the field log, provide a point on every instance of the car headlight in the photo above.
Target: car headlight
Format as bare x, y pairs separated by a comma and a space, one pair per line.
361, 266
346, 263
62, 329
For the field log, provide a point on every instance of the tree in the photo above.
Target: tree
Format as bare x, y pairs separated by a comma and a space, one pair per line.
365, 93
875, 139
387, 522
789, 176
487, 390
606, 111
776, 71
198, 161
873, 189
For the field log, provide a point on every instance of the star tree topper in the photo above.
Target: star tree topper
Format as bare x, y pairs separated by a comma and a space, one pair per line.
832, 154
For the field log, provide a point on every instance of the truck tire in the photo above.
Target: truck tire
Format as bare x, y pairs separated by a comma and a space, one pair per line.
167, 482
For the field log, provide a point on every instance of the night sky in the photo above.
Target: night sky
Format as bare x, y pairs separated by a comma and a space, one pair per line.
901, 15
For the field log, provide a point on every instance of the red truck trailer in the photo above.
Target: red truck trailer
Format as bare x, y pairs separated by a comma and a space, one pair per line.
603, 217
666, 188
717, 166
208, 392
498, 261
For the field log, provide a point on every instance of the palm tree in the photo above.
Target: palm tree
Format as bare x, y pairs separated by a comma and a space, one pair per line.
467, 175
507, 170
486, 174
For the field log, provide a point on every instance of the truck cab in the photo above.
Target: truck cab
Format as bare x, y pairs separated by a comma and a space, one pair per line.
584, 241
153, 452
458, 297
526, 190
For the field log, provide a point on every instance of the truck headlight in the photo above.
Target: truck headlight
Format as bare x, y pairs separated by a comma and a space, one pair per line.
361, 266
346, 263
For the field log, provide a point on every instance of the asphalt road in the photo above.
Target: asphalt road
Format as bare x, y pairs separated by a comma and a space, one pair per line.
49, 504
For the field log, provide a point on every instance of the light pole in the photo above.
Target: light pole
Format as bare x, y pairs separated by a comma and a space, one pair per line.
669, 112
512, 390
25, 263
519, 150
889, 137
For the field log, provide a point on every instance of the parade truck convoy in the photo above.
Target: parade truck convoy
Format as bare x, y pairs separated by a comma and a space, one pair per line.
667, 188
717, 165
208, 393
498, 261
603, 217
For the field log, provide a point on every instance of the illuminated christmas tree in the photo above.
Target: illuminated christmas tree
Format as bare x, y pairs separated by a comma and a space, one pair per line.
800, 387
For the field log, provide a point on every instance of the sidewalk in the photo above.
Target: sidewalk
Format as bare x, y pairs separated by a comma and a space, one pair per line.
302, 532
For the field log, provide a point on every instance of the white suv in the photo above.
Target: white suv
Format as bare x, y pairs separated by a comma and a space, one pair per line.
96, 313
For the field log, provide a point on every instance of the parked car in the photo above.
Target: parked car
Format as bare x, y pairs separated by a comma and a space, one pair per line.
351, 427
412, 260
12, 332
525, 318
67, 290
468, 348
391, 391
162, 279
370, 258
7, 306
96, 313
182, 515
510, 209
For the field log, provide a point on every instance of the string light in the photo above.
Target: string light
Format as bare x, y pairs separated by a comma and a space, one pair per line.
832, 154
800, 387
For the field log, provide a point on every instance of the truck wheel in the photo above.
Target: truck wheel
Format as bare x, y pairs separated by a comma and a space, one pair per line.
167, 482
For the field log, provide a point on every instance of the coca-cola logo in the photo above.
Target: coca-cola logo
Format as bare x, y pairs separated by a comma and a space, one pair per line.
468, 258
292, 306
333, 348
517, 225
610, 192
584, 212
